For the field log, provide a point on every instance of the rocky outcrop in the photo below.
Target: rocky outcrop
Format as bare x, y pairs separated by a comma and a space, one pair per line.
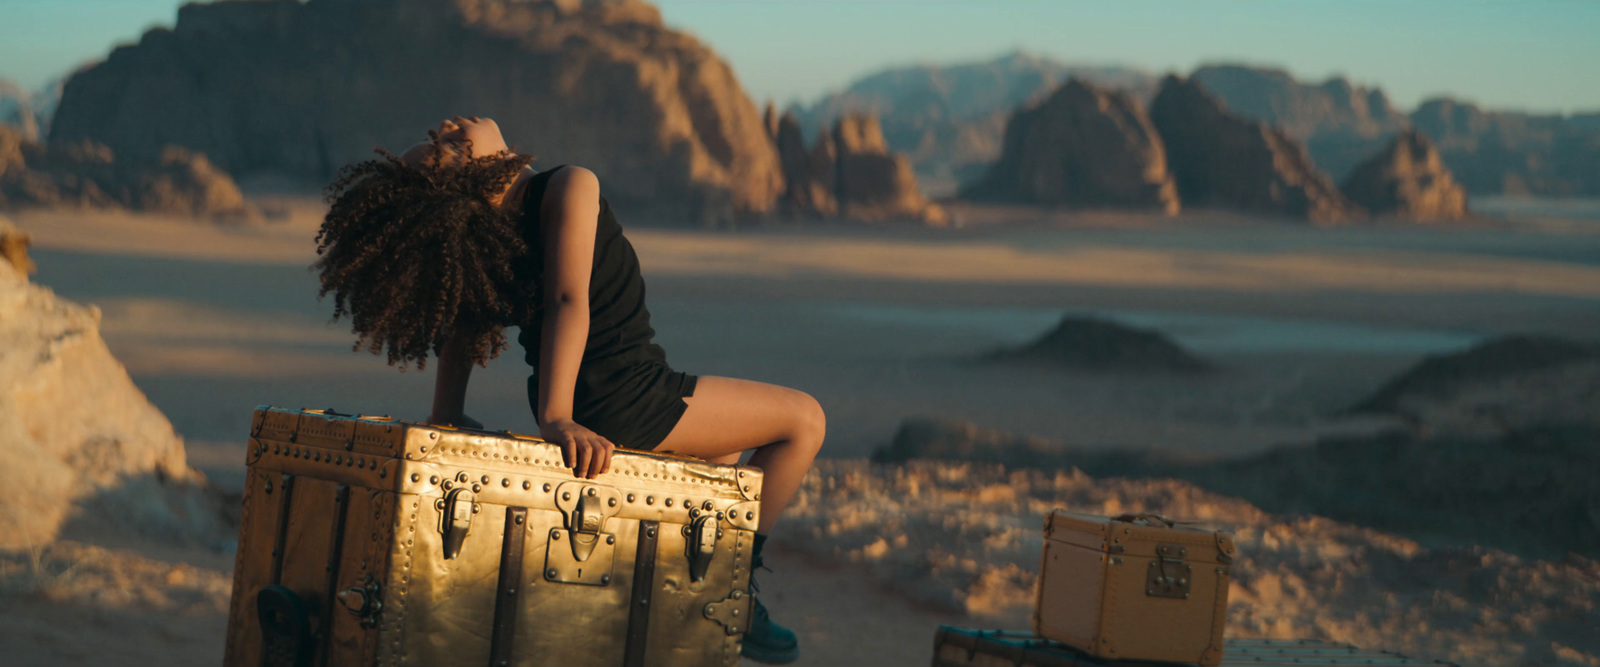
1220, 160
849, 172
303, 88
1340, 123
950, 120
78, 441
1407, 180
1091, 344
87, 174
872, 183
1081, 147
808, 175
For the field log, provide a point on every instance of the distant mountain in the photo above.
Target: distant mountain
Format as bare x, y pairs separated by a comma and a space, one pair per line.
1340, 123
16, 109
951, 119
1490, 152
45, 100
1585, 121
29, 111
12, 97
1303, 110
1514, 153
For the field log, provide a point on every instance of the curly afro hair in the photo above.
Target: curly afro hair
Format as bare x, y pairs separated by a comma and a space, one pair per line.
419, 254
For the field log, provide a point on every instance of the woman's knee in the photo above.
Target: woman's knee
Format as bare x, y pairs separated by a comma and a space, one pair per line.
811, 423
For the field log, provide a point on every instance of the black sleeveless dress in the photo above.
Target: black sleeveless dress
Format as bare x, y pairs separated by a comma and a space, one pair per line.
625, 392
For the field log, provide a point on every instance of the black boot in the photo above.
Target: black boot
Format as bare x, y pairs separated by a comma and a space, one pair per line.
766, 641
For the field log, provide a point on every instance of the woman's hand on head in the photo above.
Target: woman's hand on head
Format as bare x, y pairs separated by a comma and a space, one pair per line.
584, 451
457, 138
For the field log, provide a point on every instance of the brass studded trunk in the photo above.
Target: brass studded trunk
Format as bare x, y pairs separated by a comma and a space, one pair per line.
1134, 587
372, 541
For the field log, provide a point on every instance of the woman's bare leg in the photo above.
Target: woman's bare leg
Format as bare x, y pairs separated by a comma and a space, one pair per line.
728, 416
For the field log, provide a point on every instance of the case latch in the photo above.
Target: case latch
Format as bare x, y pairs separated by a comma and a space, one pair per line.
701, 540
589, 551
1168, 576
455, 519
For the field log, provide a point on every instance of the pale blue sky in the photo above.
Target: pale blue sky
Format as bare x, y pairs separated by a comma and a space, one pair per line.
1539, 55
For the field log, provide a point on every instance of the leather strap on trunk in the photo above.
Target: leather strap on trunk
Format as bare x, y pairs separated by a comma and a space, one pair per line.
501, 644
644, 587
281, 537
331, 588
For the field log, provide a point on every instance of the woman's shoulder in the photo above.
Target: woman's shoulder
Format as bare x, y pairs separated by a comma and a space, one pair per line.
565, 181
567, 175
560, 181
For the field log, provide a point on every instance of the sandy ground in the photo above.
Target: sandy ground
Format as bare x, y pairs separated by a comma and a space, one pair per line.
879, 324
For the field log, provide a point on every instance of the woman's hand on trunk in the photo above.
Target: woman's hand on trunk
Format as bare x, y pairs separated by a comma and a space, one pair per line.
584, 451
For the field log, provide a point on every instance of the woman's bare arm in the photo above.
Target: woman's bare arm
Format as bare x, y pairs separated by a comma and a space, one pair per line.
570, 211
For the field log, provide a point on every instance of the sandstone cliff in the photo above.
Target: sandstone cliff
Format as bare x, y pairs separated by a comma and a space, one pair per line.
1407, 180
1220, 160
1083, 147
78, 441
303, 88
871, 183
849, 172
808, 182
89, 175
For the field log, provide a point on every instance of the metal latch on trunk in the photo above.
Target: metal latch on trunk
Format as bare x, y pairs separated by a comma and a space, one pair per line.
365, 601
1168, 575
589, 551
701, 539
455, 518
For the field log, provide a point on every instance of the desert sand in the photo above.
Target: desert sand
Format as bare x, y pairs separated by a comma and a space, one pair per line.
880, 324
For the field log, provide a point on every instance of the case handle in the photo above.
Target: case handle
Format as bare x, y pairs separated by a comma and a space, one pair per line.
1146, 518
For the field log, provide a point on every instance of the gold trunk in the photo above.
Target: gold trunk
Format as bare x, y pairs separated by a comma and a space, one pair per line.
410, 544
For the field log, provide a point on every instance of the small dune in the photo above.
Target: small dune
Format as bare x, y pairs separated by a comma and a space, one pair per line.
1093, 344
